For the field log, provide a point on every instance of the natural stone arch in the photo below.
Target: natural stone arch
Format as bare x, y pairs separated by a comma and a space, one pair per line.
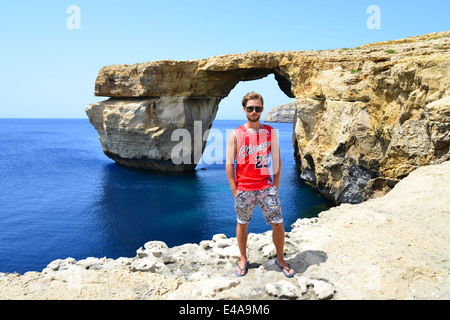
150, 101
365, 117
212, 77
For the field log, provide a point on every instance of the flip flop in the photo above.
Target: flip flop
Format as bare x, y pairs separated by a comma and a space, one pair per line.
286, 273
245, 270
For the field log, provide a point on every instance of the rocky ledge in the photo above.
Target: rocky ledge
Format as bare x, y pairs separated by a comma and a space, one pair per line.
391, 247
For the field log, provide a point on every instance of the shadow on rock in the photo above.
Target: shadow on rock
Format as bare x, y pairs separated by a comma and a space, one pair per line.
305, 259
300, 262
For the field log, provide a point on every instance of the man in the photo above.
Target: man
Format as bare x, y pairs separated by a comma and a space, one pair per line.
249, 145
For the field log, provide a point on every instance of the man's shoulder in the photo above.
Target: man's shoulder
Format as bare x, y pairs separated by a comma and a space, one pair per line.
234, 133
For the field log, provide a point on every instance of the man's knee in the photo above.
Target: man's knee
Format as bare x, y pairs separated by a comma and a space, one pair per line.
242, 226
277, 226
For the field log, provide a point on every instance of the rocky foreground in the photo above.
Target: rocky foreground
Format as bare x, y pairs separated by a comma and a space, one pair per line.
392, 247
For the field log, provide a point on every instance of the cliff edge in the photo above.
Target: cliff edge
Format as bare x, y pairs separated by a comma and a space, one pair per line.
392, 247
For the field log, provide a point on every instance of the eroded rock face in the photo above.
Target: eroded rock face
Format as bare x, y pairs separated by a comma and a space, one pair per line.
366, 117
284, 113
141, 132
364, 126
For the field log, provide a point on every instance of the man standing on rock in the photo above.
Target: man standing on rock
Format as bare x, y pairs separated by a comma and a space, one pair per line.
250, 145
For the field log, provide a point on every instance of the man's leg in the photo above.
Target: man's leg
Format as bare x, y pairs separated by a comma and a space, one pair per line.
241, 236
244, 204
278, 241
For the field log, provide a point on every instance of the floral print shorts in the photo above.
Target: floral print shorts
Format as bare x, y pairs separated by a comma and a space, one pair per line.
267, 199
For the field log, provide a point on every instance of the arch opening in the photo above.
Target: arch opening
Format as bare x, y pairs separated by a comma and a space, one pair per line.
274, 88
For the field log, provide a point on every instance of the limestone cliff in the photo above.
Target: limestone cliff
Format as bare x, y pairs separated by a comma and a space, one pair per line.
365, 123
284, 113
366, 117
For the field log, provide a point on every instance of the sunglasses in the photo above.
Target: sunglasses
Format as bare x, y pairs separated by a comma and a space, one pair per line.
250, 109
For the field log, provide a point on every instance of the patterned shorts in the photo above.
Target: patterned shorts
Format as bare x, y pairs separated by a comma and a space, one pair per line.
267, 199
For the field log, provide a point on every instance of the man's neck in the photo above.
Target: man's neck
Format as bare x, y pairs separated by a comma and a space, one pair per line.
253, 125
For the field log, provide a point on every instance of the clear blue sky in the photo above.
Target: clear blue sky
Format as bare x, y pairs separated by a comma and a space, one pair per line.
49, 70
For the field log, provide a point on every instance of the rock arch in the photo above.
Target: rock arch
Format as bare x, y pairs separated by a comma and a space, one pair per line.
366, 117
149, 101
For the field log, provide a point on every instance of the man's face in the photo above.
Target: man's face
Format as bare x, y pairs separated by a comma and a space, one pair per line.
253, 116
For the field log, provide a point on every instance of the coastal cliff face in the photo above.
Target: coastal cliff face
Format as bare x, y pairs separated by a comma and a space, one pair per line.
284, 113
373, 116
365, 117
138, 132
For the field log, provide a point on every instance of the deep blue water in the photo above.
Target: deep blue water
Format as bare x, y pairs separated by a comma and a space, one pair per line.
60, 196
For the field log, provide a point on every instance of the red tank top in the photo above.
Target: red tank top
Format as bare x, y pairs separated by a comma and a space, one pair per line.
252, 158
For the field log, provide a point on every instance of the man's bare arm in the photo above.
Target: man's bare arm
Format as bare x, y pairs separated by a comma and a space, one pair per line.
276, 159
229, 164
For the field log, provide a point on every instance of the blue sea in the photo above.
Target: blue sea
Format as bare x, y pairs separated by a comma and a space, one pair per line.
60, 196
